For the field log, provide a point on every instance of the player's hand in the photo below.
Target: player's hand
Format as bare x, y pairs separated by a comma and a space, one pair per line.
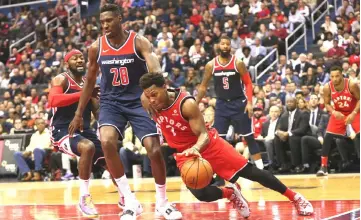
96, 92
338, 115
249, 109
75, 124
350, 118
190, 152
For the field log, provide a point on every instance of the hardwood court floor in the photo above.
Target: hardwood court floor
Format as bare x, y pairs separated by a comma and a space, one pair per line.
337, 194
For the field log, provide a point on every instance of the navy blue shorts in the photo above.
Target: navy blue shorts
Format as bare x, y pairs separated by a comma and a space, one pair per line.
69, 145
232, 113
117, 115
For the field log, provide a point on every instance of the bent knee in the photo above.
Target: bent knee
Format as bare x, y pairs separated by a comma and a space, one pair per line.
86, 146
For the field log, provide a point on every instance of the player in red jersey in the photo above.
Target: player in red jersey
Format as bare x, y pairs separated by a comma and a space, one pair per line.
183, 127
345, 95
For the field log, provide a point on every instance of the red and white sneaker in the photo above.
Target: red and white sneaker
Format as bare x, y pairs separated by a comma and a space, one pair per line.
239, 202
303, 206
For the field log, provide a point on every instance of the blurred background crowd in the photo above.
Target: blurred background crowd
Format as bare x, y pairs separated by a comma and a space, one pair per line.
185, 36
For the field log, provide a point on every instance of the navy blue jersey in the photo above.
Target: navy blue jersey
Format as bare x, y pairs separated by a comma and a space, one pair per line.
62, 116
227, 80
121, 70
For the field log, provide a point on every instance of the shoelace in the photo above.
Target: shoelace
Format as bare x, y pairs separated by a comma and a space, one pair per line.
300, 203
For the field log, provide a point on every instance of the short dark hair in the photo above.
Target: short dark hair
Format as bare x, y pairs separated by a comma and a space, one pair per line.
336, 68
149, 79
225, 37
110, 7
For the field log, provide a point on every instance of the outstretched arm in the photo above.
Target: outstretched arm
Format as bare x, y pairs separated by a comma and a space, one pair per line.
145, 48
57, 98
192, 114
202, 89
246, 79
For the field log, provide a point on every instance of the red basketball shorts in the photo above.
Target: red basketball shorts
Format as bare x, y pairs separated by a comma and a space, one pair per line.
336, 126
224, 159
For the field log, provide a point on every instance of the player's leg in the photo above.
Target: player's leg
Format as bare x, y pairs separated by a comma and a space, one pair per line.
243, 125
231, 192
112, 123
356, 127
221, 119
145, 129
334, 129
267, 179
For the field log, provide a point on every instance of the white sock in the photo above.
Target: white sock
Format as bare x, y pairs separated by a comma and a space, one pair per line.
160, 194
65, 160
84, 187
259, 164
123, 187
120, 193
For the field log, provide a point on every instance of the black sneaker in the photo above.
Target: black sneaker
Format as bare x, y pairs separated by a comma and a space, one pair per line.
322, 171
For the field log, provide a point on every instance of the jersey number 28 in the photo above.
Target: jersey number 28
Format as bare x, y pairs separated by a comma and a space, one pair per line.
120, 76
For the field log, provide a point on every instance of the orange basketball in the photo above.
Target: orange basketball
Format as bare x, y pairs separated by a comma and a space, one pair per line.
197, 173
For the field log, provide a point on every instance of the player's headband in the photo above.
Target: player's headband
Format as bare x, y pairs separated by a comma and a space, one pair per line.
71, 53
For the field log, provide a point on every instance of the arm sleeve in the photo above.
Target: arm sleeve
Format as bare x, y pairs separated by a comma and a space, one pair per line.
246, 79
58, 99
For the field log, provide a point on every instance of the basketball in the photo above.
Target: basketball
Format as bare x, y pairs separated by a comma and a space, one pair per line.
197, 173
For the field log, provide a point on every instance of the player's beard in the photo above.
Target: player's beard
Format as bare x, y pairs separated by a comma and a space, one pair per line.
77, 72
225, 54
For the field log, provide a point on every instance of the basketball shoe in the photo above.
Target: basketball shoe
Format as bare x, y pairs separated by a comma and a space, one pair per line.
121, 205
86, 207
131, 209
303, 206
168, 211
239, 202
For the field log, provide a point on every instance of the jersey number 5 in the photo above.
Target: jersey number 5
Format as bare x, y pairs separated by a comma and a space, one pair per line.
225, 83
120, 76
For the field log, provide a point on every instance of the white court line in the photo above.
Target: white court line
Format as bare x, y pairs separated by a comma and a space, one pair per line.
143, 213
341, 214
174, 202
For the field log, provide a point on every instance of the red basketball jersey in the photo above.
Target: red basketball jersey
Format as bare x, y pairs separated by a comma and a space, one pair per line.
343, 100
175, 129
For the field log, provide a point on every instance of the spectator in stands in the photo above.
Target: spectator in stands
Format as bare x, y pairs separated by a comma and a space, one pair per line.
310, 79
302, 104
295, 18
268, 134
35, 151
273, 77
235, 40
292, 126
329, 25
335, 54
257, 50
344, 9
302, 67
322, 76
355, 57
232, 9
303, 10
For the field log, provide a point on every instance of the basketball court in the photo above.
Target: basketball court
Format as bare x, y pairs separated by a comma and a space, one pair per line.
334, 197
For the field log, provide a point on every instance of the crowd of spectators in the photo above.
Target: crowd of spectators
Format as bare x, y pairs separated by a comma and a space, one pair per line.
185, 36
